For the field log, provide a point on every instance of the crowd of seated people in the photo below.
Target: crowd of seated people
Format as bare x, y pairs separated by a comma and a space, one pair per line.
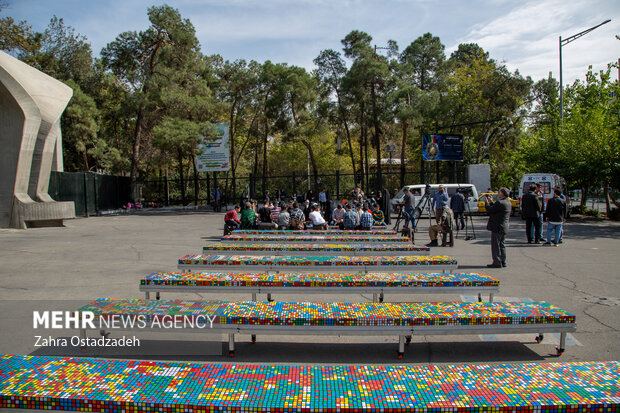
292, 215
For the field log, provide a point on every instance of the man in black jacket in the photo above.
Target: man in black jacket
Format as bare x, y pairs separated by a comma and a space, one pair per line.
457, 205
499, 216
556, 215
531, 209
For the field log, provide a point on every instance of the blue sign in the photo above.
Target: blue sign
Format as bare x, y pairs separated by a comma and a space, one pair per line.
438, 147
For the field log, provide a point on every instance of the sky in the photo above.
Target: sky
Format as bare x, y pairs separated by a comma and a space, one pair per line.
523, 35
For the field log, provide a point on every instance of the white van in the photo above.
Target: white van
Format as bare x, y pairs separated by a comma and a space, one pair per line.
418, 191
547, 182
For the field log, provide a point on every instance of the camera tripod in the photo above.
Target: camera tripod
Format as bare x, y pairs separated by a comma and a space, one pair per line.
424, 205
469, 222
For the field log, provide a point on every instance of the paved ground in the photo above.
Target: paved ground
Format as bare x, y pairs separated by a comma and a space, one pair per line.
106, 256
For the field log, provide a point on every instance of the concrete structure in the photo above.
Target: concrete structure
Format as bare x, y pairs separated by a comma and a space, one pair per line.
31, 104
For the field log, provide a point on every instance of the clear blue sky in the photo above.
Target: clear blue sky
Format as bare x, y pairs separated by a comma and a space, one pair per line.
522, 34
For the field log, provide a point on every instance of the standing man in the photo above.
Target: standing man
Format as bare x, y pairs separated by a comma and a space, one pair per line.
323, 200
499, 216
556, 216
409, 207
440, 200
530, 208
457, 205
217, 199
543, 207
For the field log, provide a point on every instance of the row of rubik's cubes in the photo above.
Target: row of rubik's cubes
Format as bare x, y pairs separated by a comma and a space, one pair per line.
143, 386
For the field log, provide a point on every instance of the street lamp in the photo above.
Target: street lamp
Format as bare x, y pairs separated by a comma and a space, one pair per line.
564, 42
390, 150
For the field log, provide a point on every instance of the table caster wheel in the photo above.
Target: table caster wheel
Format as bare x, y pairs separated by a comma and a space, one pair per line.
400, 356
559, 351
253, 338
539, 338
408, 340
231, 354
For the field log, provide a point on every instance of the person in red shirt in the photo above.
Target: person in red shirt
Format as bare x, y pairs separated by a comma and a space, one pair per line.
232, 219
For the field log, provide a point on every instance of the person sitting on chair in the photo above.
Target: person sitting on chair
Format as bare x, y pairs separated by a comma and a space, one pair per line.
318, 222
445, 226
231, 218
338, 216
248, 217
264, 216
378, 217
284, 218
366, 221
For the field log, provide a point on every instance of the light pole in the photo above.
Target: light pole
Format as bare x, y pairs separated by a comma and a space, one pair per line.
390, 150
564, 42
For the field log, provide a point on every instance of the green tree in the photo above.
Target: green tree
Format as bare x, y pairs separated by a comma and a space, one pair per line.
491, 101
331, 70
79, 131
368, 81
420, 74
140, 60
16, 36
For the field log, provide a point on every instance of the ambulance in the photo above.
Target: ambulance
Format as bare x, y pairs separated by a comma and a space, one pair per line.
547, 182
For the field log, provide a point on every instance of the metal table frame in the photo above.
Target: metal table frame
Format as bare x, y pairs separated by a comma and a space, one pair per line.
404, 333
377, 292
279, 253
351, 269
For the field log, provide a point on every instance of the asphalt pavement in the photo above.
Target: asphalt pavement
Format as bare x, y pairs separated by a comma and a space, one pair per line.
106, 256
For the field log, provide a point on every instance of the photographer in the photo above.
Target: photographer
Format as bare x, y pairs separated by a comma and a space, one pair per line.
457, 205
408, 208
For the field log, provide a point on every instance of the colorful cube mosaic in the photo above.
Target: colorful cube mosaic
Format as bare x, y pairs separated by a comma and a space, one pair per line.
372, 231
325, 237
316, 261
308, 247
340, 314
216, 279
77, 384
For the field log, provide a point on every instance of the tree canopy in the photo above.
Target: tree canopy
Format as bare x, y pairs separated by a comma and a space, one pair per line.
142, 107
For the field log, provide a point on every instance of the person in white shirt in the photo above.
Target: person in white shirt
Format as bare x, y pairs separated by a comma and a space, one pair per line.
318, 222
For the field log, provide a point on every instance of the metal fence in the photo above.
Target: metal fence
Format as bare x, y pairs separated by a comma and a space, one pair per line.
89, 191
164, 191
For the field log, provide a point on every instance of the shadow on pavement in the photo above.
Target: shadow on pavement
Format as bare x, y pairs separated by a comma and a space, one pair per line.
316, 353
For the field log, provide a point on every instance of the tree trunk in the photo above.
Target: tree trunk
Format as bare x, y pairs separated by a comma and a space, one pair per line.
376, 138
265, 169
367, 170
196, 182
135, 156
361, 183
181, 173
403, 144
231, 133
613, 197
167, 188
85, 157
315, 169
606, 195
584, 196
348, 133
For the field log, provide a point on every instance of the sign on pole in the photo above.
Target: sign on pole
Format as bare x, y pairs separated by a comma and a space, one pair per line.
439, 147
214, 151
